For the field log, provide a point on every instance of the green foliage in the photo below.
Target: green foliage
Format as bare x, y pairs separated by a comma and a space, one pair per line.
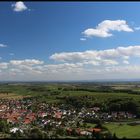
17, 135
4, 126
60, 131
36, 133
125, 104
114, 136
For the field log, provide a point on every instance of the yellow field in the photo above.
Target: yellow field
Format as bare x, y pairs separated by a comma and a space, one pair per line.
11, 96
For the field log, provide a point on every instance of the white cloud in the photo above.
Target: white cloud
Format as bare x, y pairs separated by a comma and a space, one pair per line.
123, 53
104, 28
82, 39
26, 62
86, 65
126, 57
33, 69
109, 62
125, 62
92, 62
129, 51
137, 28
19, 6
27, 67
3, 65
3, 45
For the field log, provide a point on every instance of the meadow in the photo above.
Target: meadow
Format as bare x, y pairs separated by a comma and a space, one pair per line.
124, 130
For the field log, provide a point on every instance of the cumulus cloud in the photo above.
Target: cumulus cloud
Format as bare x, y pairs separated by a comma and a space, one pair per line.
98, 56
3, 65
109, 62
32, 69
137, 28
26, 62
3, 45
126, 57
19, 6
90, 64
125, 62
25, 67
82, 39
104, 28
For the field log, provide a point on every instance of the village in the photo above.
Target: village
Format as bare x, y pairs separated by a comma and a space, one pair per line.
25, 114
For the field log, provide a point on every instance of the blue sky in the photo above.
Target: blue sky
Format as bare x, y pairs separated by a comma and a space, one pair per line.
69, 40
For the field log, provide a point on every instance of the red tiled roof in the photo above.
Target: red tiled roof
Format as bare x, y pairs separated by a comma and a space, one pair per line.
69, 129
94, 129
58, 115
27, 121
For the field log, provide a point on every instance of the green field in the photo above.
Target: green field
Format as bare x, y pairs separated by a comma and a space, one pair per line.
124, 130
100, 96
121, 130
48, 90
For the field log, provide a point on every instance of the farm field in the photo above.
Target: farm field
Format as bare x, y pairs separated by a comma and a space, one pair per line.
124, 130
54, 90
11, 96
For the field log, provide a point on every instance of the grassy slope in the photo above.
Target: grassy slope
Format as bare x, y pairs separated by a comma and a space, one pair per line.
25, 90
124, 130
100, 96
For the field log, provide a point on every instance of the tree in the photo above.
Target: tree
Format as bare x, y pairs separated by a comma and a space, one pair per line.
36, 133
114, 136
78, 124
16, 135
4, 127
60, 131
74, 132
